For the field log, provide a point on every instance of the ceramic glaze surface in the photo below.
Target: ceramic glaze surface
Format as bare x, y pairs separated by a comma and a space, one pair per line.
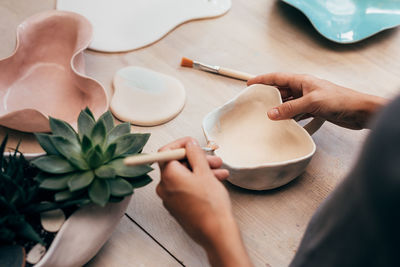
349, 21
122, 25
44, 77
145, 97
259, 153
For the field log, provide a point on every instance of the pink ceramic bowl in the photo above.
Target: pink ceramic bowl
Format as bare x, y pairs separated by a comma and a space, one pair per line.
45, 74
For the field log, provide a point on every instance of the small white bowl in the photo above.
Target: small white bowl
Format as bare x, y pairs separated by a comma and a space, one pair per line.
259, 153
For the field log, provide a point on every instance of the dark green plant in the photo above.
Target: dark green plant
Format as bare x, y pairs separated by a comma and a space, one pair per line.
18, 190
89, 164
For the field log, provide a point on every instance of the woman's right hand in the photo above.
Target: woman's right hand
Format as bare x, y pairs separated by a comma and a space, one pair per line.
311, 96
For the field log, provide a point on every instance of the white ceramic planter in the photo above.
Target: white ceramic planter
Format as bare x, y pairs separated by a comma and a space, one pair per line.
251, 106
83, 234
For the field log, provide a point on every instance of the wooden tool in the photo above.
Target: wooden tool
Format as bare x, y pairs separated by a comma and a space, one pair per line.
167, 155
185, 62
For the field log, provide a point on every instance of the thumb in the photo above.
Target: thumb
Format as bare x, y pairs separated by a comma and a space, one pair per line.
289, 109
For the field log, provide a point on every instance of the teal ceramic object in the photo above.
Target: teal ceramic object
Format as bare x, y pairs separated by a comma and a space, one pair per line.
349, 21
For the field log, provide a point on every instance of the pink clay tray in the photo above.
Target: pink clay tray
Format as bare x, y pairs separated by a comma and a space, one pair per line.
45, 74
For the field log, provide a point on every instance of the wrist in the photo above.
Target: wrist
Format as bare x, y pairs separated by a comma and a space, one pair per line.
224, 245
369, 106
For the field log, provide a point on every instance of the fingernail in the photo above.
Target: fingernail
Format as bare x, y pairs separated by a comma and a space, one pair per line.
273, 113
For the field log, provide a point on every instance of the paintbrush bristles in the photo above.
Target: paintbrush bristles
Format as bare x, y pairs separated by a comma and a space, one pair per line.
185, 62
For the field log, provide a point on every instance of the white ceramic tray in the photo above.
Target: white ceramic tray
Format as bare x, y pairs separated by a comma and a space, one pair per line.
122, 25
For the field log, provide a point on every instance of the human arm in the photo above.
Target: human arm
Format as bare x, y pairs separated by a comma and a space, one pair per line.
196, 198
305, 94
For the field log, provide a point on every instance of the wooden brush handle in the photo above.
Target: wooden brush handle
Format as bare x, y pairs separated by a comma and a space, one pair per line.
235, 74
168, 155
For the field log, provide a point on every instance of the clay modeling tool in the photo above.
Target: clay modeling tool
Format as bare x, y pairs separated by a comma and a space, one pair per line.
185, 62
163, 156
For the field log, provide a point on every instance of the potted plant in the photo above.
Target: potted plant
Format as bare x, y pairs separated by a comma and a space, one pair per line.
85, 169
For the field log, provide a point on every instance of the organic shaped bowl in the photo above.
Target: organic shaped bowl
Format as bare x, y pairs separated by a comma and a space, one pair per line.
45, 74
349, 21
258, 152
122, 25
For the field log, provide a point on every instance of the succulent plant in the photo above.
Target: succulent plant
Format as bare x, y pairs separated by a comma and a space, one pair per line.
89, 164
18, 190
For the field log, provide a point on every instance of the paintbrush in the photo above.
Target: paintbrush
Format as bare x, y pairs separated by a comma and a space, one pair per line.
185, 62
163, 156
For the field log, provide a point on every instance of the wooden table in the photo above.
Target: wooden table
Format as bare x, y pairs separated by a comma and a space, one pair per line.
255, 36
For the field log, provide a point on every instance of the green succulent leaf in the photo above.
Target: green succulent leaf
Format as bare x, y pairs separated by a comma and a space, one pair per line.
99, 192
80, 180
130, 144
108, 120
53, 164
98, 133
27, 231
89, 112
110, 151
140, 142
140, 181
119, 187
128, 171
95, 157
2, 148
85, 124
105, 172
62, 128
56, 182
45, 142
66, 195
86, 144
70, 151
117, 131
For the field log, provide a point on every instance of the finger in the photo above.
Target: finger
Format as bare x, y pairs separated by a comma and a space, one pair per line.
221, 174
290, 109
160, 191
179, 143
174, 173
196, 157
280, 79
214, 162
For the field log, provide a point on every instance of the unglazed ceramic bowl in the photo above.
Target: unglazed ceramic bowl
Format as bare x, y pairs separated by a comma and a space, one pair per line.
259, 153
45, 74
122, 25
349, 21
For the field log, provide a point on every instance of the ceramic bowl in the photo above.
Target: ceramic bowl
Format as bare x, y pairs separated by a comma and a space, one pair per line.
259, 153
45, 74
122, 25
349, 21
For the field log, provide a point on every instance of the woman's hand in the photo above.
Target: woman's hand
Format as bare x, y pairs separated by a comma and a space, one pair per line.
192, 192
308, 95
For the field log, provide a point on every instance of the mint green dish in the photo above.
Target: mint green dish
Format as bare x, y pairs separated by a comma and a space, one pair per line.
349, 21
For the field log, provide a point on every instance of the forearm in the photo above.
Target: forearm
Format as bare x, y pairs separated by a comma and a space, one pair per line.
225, 246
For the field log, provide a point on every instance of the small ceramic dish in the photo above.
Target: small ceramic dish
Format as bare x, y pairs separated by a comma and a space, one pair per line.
45, 74
349, 21
259, 153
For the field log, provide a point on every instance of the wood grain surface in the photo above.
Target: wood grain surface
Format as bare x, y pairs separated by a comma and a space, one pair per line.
255, 36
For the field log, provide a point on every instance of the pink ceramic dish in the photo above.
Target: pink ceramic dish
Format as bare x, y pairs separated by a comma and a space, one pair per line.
45, 74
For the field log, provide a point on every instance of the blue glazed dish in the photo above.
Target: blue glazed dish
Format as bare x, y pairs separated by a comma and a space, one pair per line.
349, 21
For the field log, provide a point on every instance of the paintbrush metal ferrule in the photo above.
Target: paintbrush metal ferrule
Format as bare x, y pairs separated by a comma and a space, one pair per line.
205, 67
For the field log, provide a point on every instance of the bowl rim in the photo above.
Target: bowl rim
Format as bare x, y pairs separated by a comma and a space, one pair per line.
263, 165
